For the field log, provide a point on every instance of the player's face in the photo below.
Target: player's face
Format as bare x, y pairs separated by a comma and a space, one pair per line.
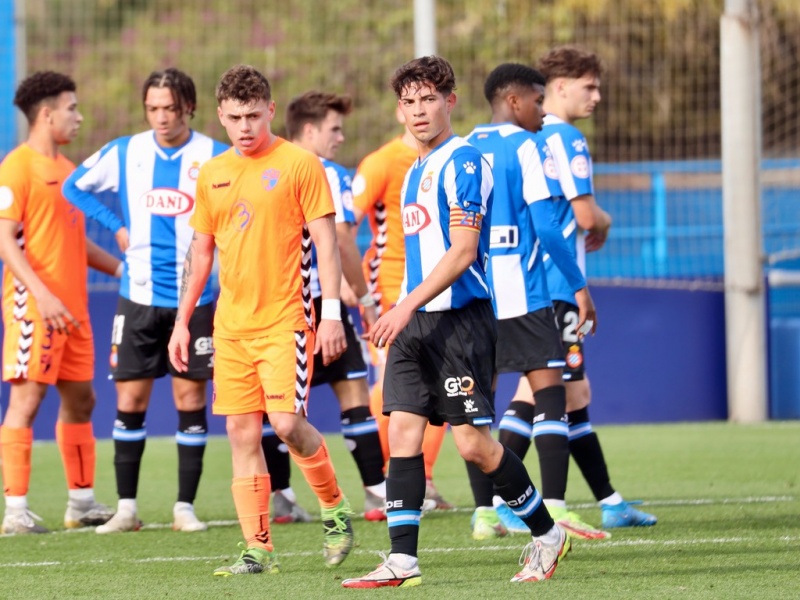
65, 119
326, 137
427, 113
582, 95
247, 125
169, 120
528, 108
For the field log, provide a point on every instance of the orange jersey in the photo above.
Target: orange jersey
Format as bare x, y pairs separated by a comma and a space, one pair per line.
52, 233
257, 209
376, 192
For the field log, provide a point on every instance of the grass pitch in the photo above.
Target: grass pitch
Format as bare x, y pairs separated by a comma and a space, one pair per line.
726, 497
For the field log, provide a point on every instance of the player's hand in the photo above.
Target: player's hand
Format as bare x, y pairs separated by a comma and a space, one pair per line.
53, 312
330, 340
587, 314
389, 326
347, 294
178, 347
123, 239
369, 314
597, 236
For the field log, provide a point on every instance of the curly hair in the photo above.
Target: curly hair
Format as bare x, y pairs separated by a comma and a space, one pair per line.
244, 84
507, 75
179, 84
431, 70
42, 86
313, 107
571, 62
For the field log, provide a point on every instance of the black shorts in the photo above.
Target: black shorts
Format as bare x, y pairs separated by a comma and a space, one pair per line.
349, 365
442, 364
567, 318
140, 336
529, 343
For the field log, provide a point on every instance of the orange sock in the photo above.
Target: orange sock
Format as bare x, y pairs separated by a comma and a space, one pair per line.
321, 478
431, 445
15, 451
77, 445
376, 408
251, 498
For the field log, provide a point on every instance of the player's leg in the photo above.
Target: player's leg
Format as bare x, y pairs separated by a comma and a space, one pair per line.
136, 359
16, 441
431, 446
189, 391
285, 508
240, 397
191, 438
285, 370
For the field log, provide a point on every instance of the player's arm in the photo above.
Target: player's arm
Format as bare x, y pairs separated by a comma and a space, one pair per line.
330, 333
196, 271
593, 219
98, 173
102, 261
353, 273
51, 309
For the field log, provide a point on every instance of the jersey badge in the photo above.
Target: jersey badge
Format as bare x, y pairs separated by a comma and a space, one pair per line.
269, 179
427, 182
194, 171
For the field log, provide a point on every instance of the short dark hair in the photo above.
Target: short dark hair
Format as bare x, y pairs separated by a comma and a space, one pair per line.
313, 107
42, 86
179, 84
244, 84
433, 70
571, 62
509, 75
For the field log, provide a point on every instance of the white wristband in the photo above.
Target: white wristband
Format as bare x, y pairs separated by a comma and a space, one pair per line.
331, 309
366, 300
118, 272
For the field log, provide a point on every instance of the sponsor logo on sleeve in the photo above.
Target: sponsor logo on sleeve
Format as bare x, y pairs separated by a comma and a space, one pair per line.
6, 197
550, 169
167, 202
579, 166
359, 185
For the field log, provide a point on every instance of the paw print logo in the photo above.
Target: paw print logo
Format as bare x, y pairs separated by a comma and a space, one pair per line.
469, 167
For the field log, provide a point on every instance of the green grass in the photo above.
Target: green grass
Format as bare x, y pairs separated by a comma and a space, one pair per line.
726, 497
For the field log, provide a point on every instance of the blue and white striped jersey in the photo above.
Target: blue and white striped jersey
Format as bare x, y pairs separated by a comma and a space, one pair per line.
450, 187
570, 152
155, 188
523, 219
341, 189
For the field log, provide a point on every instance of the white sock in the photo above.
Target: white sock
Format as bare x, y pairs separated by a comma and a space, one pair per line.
613, 499
379, 490
83, 496
555, 503
289, 494
17, 502
127, 505
179, 506
405, 561
551, 537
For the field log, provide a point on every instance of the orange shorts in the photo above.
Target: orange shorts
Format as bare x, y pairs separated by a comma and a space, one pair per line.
34, 352
269, 374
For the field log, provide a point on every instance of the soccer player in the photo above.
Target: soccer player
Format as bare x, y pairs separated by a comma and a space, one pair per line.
314, 121
152, 177
442, 332
528, 341
376, 195
47, 332
572, 93
262, 204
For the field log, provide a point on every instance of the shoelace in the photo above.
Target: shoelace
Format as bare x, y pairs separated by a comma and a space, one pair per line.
28, 517
530, 556
339, 525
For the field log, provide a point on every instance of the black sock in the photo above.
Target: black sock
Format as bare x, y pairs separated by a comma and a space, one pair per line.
277, 455
129, 437
516, 427
513, 484
585, 449
405, 491
482, 487
360, 430
192, 437
550, 434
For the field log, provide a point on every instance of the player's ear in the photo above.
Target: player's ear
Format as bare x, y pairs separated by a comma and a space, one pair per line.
219, 115
451, 100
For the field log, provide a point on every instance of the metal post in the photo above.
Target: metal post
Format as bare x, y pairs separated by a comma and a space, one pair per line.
21, 62
745, 309
424, 27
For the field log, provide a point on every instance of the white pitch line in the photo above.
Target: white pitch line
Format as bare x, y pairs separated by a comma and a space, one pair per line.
597, 545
